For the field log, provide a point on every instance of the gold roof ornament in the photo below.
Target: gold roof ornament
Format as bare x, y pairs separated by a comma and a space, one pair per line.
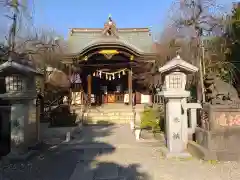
131, 58
85, 58
109, 51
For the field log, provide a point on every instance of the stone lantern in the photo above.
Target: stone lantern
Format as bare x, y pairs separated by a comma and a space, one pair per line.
18, 105
174, 74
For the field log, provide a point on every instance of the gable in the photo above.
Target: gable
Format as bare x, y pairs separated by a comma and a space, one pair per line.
139, 38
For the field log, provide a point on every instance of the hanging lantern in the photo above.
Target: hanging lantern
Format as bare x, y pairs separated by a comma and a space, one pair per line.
106, 76
119, 75
123, 72
100, 74
110, 77
94, 74
113, 76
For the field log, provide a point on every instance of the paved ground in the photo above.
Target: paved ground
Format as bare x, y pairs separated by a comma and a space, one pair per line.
111, 153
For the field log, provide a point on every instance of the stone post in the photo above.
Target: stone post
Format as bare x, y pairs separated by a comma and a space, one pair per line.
193, 116
176, 123
174, 126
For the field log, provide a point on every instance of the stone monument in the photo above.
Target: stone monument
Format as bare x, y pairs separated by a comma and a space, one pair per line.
20, 95
175, 77
218, 132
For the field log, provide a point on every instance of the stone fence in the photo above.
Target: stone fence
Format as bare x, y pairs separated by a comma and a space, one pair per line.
219, 132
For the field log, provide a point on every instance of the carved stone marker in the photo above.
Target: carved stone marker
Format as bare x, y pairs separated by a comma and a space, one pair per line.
174, 74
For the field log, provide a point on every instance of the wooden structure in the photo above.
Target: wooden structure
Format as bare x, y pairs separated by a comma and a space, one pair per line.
105, 63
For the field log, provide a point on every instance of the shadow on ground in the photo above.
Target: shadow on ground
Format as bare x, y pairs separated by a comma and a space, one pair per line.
75, 160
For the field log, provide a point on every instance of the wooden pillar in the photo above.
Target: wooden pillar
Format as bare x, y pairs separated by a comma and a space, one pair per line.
130, 86
89, 81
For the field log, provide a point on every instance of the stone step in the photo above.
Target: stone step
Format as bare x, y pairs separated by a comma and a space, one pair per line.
107, 121
116, 118
103, 110
108, 116
110, 110
99, 116
110, 113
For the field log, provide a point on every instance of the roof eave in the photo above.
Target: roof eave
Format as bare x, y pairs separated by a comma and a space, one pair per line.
170, 68
7, 66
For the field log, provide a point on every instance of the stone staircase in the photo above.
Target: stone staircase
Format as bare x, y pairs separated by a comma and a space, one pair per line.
109, 113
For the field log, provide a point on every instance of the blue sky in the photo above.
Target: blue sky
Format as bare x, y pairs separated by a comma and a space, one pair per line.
63, 15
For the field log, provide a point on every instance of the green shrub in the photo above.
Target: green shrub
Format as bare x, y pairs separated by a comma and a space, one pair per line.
150, 119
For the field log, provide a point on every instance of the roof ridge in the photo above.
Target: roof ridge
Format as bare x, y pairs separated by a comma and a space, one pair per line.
86, 30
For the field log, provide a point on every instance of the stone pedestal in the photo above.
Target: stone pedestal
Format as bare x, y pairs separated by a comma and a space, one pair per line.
176, 124
23, 125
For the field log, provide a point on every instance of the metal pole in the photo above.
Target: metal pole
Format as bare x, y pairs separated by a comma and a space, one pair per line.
12, 31
201, 79
203, 62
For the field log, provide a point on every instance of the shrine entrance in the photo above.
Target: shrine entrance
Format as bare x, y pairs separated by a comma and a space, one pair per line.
106, 76
110, 86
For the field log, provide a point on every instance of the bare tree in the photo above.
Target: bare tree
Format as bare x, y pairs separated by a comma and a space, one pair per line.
46, 49
22, 11
191, 21
42, 47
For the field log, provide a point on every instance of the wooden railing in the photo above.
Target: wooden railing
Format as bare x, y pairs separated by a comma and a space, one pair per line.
119, 98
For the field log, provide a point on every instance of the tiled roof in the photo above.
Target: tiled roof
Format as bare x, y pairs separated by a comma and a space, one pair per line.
138, 39
177, 62
11, 65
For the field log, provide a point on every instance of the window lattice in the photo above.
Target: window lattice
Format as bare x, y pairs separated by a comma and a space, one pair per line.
175, 81
14, 83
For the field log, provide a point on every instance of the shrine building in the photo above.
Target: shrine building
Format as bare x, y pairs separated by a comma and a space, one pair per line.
107, 64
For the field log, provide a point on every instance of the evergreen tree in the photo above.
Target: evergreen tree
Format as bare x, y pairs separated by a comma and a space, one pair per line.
233, 38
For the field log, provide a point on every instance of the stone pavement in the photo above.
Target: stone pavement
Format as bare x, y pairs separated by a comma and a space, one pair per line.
111, 153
